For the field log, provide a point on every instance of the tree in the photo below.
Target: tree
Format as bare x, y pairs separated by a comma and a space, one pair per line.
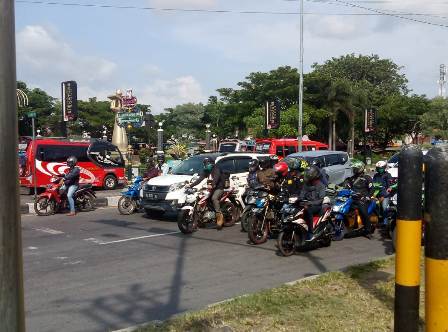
435, 121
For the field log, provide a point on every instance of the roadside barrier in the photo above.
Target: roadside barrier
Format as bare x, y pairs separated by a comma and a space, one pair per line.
436, 239
409, 230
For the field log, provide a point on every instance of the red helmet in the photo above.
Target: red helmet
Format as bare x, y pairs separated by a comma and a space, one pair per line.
281, 168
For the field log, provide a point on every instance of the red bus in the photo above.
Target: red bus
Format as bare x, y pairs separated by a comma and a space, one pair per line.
101, 163
286, 146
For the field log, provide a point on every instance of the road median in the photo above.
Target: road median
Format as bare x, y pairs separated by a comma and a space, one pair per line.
360, 298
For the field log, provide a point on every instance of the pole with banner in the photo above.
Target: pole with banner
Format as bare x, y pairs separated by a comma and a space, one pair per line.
272, 114
69, 91
32, 116
369, 127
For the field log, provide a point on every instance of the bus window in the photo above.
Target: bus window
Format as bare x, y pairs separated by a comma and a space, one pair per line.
106, 155
291, 149
279, 151
263, 147
60, 153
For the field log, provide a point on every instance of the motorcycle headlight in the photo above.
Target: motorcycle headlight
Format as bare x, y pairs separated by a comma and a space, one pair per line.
177, 186
337, 208
260, 202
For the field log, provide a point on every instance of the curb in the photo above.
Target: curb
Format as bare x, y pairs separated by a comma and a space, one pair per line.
112, 201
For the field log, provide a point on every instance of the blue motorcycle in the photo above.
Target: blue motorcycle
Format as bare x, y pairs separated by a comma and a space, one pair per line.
130, 201
347, 221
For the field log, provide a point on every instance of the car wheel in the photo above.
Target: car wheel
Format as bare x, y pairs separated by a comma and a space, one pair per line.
110, 182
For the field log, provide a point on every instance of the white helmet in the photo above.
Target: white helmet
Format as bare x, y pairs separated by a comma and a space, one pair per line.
381, 166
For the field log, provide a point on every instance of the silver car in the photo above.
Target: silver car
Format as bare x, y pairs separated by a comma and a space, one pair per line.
335, 163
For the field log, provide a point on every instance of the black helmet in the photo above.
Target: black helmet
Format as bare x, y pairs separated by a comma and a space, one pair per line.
254, 165
297, 164
161, 158
71, 161
316, 162
265, 163
312, 173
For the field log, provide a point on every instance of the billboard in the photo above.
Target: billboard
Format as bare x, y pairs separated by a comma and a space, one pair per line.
369, 120
69, 101
272, 113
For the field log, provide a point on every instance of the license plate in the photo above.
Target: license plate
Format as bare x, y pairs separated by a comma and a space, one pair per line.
152, 196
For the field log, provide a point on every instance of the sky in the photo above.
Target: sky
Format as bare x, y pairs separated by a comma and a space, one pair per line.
170, 57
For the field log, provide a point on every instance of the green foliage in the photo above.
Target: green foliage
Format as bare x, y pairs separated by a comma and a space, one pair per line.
435, 121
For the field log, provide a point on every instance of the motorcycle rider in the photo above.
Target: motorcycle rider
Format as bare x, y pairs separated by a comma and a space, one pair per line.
216, 184
313, 192
361, 184
266, 175
71, 183
151, 171
254, 167
323, 176
295, 177
384, 179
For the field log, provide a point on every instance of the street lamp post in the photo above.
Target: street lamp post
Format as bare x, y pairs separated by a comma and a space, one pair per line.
299, 138
207, 137
129, 153
160, 139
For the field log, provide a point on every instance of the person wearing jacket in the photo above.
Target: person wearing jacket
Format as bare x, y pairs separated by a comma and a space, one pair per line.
216, 184
295, 178
313, 193
361, 184
384, 179
71, 183
266, 176
151, 171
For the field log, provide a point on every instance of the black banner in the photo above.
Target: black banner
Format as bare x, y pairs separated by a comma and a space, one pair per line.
369, 120
272, 112
69, 101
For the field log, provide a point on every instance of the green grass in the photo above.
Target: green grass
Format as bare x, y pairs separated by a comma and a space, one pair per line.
358, 299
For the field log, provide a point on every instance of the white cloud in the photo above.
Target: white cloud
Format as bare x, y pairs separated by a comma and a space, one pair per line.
162, 94
330, 27
45, 59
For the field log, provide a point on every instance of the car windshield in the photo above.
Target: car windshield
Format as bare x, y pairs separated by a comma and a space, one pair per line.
227, 147
189, 166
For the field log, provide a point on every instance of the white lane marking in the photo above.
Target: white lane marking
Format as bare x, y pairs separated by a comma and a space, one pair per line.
74, 263
48, 230
32, 248
140, 237
94, 240
61, 257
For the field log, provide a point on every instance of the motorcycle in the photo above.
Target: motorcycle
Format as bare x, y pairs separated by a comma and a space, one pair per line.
250, 200
265, 218
52, 200
131, 200
294, 228
347, 221
198, 211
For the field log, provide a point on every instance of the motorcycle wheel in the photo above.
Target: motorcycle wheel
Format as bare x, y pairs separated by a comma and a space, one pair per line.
287, 241
326, 241
339, 231
126, 205
44, 206
255, 233
185, 222
231, 214
86, 203
245, 221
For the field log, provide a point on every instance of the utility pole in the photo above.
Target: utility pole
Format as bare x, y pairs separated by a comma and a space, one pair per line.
299, 138
442, 81
12, 318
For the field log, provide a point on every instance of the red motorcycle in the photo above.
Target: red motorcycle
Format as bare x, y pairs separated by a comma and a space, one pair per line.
198, 209
54, 200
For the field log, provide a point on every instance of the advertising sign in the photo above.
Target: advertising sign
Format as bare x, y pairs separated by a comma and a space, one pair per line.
69, 101
129, 101
272, 112
133, 118
369, 120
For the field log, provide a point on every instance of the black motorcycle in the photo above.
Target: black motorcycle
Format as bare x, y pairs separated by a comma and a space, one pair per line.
250, 200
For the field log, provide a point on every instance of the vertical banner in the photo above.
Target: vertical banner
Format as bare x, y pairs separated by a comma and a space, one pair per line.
272, 113
369, 120
69, 101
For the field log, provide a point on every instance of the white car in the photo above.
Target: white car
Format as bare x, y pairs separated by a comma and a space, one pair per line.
163, 193
392, 164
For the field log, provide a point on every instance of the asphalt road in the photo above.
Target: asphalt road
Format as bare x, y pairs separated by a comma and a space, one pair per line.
26, 198
101, 271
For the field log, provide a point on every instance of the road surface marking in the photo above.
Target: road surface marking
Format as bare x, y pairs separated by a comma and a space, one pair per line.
32, 248
48, 230
94, 240
140, 237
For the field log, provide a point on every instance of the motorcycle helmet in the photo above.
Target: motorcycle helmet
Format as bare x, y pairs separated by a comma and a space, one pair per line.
208, 164
381, 166
358, 167
72, 161
281, 168
296, 164
317, 162
265, 163
254, 165
161, 158
312, 174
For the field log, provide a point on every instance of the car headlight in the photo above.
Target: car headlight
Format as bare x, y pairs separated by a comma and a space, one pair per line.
177, 186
